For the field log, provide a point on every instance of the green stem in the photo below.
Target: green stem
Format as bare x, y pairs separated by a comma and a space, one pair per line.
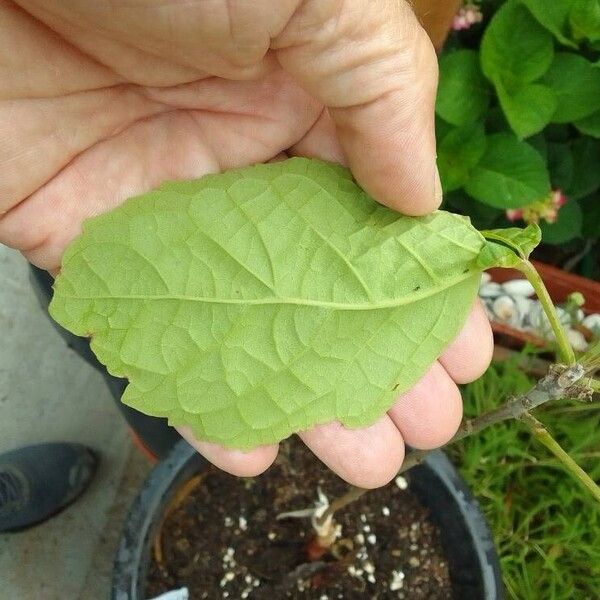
565, 351
543, 436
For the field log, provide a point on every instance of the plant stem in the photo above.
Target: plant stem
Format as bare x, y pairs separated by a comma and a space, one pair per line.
554, 386
353, 493
565, 351
551, 387
543, 435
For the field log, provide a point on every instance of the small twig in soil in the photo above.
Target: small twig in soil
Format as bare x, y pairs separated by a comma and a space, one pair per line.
290, 581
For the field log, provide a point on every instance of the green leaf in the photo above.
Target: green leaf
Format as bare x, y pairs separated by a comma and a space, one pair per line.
567, 225
590, 207
528, 108
515, 48
259, 302
540, 144
463, 92
482, 216
590, 125
511, 174
521, 241
560, 165
584, 19
553, 15
576, 83
458, 152
497, 255
586, 171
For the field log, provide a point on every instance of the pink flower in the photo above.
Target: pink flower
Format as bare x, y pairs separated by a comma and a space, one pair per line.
546, 209
466, 16
514, 214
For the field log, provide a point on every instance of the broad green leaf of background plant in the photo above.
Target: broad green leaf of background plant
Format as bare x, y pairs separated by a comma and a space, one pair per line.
584, 19
560, 165
528, 107
586, 174
590, 207
576, 84
554, 16
463, 92
259, 302
515, 48
458, 152
511, 174
590, 125
567, 226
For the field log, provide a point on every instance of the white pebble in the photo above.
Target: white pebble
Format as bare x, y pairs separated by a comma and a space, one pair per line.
368, 567
518, 287
371, 578
366, 528
243, 523
359, 538
592, 322
385, 511
271, 535
372, 539
576, 339
397, 581
505, 310
401, 482
490, 290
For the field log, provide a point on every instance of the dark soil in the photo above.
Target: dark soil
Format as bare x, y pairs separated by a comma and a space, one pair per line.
221, 540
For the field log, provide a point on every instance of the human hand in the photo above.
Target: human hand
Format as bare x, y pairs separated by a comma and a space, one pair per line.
100, 102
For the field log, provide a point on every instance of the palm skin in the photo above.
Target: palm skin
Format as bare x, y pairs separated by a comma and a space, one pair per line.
102, 103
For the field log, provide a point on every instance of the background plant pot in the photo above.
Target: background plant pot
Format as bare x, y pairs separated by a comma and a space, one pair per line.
466, 538
560, 284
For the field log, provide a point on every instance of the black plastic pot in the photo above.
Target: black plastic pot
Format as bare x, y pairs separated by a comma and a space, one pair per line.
466, 538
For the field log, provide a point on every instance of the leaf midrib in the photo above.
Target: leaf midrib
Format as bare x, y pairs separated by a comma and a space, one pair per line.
393, 303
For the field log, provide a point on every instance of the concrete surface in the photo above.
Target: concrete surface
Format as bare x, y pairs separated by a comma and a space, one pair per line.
47, 393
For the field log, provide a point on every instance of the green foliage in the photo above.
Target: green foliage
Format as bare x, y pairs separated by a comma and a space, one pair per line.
586, 171
540, 114
554, 16
545, 526
459, 151
463, 91
529, 108
510, 174
584, 19
576, 84
508, 247
566, 227
259, 302
590, 125
521, 241
515, 48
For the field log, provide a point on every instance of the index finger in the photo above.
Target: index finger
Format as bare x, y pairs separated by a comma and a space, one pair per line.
372, 64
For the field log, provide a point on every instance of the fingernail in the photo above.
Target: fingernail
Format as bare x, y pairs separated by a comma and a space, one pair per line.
437, 187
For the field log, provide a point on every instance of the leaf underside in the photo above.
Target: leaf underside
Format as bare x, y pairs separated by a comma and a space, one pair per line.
259, 302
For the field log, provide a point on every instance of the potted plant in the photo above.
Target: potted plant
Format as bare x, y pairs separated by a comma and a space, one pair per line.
185, 320
219, 536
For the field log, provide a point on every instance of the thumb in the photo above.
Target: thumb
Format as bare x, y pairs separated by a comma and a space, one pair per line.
372, 64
